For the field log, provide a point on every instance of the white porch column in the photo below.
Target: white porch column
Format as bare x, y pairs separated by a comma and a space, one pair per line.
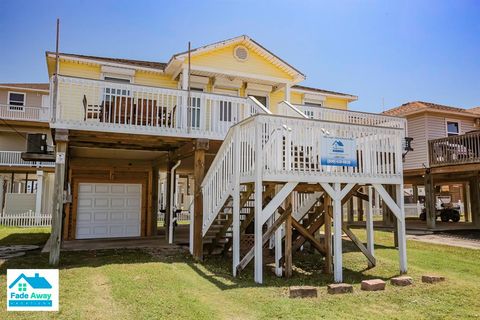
287, 92
369, 222
258, 246
402, 242
39, 195
236, 208
337, 237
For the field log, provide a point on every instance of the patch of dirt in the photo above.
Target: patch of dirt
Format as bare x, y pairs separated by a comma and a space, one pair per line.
458, 238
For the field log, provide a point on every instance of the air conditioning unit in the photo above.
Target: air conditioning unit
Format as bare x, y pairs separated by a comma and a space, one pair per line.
36, 143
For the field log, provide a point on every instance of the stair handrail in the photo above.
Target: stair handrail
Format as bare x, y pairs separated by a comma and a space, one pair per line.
217, 190
290, 110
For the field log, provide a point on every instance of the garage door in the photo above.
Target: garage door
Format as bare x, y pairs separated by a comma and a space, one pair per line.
108, 210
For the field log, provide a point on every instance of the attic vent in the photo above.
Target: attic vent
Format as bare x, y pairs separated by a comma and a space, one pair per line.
241, 53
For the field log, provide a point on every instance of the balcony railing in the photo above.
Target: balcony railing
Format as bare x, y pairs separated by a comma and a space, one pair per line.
454, 150
28, 113
14, 159
353, 117
96, 105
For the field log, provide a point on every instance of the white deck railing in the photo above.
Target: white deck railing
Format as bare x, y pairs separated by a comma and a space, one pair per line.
117, 107
14, 159
291, 150
354, 117
28, 113
26, 219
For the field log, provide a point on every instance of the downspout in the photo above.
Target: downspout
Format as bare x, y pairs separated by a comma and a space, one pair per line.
172, 189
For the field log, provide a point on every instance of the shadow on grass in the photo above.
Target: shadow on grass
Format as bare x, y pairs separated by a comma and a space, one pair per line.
216, 269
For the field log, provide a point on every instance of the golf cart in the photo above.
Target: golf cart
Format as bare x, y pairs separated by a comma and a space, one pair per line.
444, 209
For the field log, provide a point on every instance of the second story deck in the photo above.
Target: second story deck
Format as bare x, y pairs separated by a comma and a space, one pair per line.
94, 105
455, 150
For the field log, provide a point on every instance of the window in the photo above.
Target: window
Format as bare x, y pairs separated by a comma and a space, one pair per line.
262, 100
110, 93
453, 128
22, 287
309, 113
16, 100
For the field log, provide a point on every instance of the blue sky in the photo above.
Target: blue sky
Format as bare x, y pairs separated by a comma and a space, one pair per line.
386, 52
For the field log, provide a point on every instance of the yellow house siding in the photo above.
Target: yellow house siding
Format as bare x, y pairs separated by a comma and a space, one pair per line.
80, 70
336, 103
223, 59
155, 80
296, 98
275, 99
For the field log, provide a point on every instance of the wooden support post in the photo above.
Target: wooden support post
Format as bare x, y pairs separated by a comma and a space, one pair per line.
168, 189
359, 209
155, 191
430, 200
61, 147
199, 172
350, 214
475, 199
278, 249
466, 204
337, 235
369, 222
327, 268
288, 247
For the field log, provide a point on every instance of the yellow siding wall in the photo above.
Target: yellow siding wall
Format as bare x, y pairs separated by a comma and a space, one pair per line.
155, 80
275, 99
223, 59
80, 70
296, 98
336, 103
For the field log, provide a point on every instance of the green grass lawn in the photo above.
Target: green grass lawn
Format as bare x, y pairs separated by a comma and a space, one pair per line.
131, 284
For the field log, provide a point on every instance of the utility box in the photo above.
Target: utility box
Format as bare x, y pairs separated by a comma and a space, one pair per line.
36, 143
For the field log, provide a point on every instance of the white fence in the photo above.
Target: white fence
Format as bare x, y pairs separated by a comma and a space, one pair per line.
183, 217
25, 220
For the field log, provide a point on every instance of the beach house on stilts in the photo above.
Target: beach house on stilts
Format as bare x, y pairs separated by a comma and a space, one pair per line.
238, 150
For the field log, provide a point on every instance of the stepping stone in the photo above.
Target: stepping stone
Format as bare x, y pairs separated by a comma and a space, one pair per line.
339, 288
401, 281
373, 285
303, 292
432, 278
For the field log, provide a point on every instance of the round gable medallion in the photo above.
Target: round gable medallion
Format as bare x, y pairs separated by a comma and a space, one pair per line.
240, 53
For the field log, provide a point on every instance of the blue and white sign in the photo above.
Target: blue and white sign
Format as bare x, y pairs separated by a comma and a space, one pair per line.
32, 290
338, 152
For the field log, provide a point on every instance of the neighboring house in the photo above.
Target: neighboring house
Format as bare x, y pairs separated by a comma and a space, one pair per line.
24, 185
445, 149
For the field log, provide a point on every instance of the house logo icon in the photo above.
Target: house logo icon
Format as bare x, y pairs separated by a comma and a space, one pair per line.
32, 290
338, 146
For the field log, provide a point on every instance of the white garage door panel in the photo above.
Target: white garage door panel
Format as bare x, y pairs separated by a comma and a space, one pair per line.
108, 210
